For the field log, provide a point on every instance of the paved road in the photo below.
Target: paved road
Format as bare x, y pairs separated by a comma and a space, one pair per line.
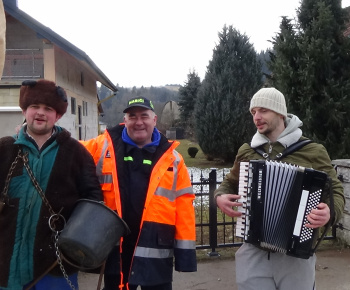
332, 273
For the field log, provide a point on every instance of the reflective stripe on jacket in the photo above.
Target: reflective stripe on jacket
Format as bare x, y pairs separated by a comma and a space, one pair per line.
168, 221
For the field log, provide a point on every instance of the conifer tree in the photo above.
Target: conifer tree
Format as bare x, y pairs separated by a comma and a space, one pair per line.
310, 64
222, 115
187, 99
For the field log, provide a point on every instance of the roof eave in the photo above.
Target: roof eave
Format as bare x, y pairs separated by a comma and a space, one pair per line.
52, 36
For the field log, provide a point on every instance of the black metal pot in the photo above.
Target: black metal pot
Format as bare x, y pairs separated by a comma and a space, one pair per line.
90, 234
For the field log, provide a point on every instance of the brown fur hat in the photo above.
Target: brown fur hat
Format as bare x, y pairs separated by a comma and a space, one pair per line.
43, 92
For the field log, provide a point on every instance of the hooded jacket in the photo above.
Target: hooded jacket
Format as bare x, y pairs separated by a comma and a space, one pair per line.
66, 173
312, 155
167, 229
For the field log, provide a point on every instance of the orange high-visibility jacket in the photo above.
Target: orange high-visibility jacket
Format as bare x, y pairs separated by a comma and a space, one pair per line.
167, 229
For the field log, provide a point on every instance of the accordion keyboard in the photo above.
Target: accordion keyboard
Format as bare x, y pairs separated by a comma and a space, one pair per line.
242, 223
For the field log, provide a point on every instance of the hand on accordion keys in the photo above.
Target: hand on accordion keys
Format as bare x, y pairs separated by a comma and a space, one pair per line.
318, 217
226, 202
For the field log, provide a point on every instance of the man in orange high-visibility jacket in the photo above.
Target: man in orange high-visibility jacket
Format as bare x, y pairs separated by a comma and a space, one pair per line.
146, 181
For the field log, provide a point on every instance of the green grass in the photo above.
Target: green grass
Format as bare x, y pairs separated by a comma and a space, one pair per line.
200, 161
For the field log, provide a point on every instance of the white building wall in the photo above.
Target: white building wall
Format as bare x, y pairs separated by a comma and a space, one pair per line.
89, 123
10, 118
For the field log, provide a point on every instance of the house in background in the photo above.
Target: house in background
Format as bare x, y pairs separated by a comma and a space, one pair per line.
34, 51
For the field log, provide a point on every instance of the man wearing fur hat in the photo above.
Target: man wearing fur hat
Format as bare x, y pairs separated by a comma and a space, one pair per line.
277, 131
64, 172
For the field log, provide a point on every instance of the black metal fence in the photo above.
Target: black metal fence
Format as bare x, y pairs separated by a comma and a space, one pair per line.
213, 228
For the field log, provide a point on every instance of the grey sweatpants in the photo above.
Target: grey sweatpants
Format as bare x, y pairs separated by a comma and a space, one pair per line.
256, 270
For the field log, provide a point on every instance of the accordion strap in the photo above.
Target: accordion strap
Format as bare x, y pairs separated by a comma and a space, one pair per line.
294, 147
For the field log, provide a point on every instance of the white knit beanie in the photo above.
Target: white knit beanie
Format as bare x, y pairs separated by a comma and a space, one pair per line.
271, 99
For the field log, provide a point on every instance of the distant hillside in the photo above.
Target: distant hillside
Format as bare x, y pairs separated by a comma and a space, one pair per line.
172, 87
113, 108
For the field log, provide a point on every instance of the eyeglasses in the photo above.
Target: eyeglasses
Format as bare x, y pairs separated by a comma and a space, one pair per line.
60, 92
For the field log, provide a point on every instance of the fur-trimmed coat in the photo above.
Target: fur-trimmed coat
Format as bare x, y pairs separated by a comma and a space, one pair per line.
66, 172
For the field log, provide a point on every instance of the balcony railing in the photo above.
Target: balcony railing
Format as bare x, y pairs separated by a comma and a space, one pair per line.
23, 64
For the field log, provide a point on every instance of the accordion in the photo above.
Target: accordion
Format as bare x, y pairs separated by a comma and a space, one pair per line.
277, 197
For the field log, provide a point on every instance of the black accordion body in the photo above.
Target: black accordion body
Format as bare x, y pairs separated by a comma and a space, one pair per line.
277, 197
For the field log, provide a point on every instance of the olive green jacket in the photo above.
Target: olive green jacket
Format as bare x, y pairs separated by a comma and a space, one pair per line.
312, 155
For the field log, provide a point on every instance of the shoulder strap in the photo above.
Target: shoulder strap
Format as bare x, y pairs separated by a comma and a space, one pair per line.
261, 152
294, 147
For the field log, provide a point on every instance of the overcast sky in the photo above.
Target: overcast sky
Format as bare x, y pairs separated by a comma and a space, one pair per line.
157, 42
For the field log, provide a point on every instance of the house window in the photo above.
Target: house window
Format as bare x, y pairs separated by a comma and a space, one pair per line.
85, 108
73, 105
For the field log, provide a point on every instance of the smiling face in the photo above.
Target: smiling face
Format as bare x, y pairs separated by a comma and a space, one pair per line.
140, 123
40, 119
268, 122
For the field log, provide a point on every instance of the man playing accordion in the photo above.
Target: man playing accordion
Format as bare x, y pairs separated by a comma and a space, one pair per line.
258, 268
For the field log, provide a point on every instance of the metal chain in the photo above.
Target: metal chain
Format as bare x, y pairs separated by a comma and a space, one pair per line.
36, 183
53, 218
59, 260
4, 195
